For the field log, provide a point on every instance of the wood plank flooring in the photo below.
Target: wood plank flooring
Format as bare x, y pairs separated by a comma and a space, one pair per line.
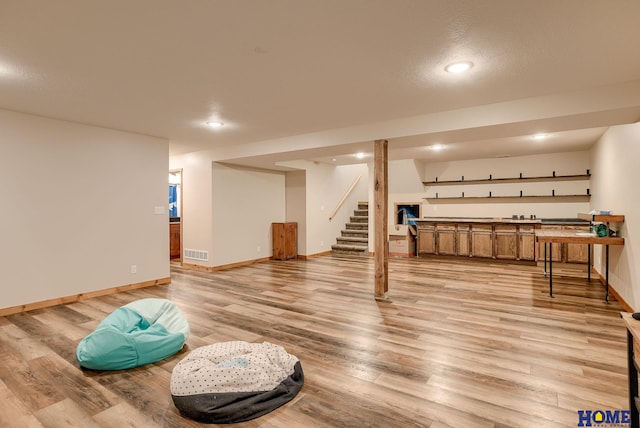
459, 344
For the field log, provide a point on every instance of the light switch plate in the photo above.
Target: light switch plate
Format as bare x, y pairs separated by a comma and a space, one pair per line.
158, 210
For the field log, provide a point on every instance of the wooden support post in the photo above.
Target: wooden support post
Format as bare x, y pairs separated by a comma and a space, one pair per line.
380, 197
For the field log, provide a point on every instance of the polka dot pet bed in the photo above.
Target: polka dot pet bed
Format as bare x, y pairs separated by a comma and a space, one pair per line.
237, 381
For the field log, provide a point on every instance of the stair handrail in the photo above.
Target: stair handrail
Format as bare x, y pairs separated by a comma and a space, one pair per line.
344, 198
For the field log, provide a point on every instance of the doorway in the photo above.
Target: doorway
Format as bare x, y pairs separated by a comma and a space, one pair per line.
175, 215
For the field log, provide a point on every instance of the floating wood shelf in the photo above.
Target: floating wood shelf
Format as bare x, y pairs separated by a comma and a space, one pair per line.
603, 218
540, 198
509, 180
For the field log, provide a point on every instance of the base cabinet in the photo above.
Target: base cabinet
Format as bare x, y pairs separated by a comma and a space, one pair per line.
463, 235
526, 243
446, 239
285, 240
482, 240
174, 240
427, 239
567, 253
506, 241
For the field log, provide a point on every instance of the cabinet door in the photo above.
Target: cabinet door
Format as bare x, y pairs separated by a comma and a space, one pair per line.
290, 241
426, 240
481, 240
174, 240
446, 239
527, 245
557, 248
463, 236
577, 253
506, 241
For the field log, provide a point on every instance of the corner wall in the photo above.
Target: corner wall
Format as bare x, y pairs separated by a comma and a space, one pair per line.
78, 208
615, 187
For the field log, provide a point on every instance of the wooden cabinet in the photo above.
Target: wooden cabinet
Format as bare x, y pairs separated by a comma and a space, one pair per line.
427, 239
577, 253
557, 249
285, 240
506, 241
463, 236
174, 240
446, 239
482, 240
567, 253
526, 242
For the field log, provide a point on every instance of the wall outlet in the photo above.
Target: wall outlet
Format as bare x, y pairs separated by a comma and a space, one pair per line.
322, 243
258, 248
134, 269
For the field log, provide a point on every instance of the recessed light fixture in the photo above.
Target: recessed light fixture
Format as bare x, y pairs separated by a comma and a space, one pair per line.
539, 137
215, 124
437, 147
333, 159
360, 155
458, 67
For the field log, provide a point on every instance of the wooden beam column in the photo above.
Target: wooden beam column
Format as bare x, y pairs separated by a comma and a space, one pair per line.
380, 199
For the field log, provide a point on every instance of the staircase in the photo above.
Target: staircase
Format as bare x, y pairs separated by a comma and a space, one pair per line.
355, 238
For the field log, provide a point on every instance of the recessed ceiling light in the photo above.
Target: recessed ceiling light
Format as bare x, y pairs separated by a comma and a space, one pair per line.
360, 155
540, 136
458, 67
333, 159
437, 147
215, 124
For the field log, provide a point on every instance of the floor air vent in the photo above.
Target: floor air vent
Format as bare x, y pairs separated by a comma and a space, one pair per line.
196, 255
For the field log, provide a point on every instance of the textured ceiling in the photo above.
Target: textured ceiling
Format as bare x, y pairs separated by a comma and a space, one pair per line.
335, 69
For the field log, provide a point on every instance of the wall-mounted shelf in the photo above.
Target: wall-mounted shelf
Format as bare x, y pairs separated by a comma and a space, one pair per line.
603, 218
513, 198
509, 180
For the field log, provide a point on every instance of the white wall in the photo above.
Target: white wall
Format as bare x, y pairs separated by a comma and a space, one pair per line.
326, 186
245, 203
197, 208
573, 163
296, 205
615, 181
78, 208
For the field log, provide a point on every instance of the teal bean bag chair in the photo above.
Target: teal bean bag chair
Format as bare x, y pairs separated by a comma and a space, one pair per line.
139, 333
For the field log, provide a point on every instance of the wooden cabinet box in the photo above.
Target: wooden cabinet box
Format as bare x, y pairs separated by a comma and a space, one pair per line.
463, 236
446, 239
526, 242
506, 241
285, 240
482, 240
174, 240
427, 239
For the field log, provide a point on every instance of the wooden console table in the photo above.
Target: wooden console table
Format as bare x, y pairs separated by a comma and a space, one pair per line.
551, 237
633, 338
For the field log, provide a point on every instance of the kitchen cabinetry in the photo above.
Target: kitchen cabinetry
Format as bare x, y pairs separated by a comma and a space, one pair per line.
427, 239
526, 242
463, 236
446, 239
174, 240
285, 240
566, 252
506, 241
482, 240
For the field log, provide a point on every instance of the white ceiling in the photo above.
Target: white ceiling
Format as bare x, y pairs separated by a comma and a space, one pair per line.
320, 79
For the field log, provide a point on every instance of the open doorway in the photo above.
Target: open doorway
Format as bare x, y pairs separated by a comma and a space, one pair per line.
175, 215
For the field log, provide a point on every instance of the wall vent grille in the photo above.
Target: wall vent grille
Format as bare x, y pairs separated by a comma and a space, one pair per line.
196, 255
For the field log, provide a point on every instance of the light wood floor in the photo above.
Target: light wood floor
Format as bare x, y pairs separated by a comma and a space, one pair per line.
460, 343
